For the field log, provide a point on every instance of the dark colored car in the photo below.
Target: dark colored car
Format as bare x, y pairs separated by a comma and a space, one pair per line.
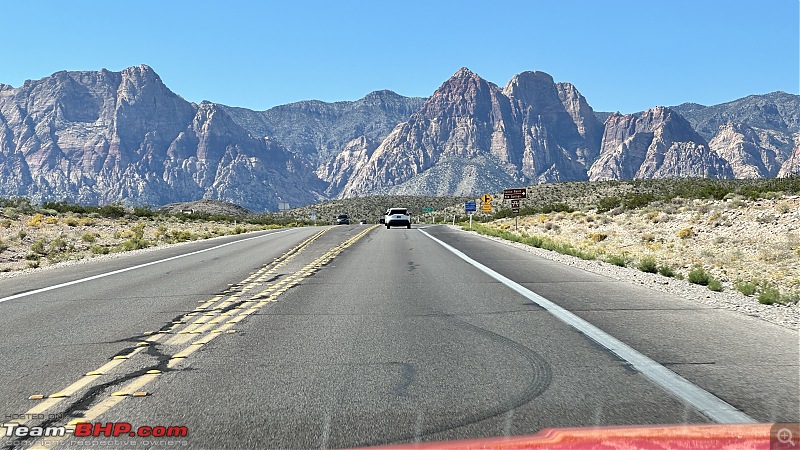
342, 220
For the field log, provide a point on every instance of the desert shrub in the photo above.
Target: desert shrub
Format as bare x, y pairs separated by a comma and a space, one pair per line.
3, 246
745, 287
648, 237
714, 285
617, 260
70, 221
648, 264
699, 276
58, 245
666, 271
89, 238
36, 220
633, 201
5, 223
142, 211
99, 250
768, 294
133, 244
686, 233
597, 237
38, 247
51, 220
22, 234
112, 211
608, 203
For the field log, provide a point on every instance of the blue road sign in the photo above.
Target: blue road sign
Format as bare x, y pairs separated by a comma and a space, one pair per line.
470, 207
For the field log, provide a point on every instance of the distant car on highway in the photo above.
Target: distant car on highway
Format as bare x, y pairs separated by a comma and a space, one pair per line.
397, 217
343, 219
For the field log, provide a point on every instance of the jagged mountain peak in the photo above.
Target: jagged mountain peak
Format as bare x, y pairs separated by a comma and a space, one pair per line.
464, 72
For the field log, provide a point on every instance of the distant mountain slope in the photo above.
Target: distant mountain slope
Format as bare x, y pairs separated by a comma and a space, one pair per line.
757, 134
320, 130
471, 136
657, 143
776, 111
102, 137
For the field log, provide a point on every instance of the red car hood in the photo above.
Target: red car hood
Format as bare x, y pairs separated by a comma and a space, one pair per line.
740, 436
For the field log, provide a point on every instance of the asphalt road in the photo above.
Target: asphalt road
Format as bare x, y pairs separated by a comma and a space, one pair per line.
352, 336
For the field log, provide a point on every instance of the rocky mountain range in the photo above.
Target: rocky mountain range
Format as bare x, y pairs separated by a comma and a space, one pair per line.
102, 137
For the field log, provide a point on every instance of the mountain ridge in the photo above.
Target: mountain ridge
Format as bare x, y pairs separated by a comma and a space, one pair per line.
103, 136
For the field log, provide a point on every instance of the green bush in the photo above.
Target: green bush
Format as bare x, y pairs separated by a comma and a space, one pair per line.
714, 285
666, 271
648, 264
133, 243
99, 250
3, 246
699, 276
617, 260
113, 211
768, 294
89, 238
142, 211
58, 245
633, 201
608, 203
746, 287
38, 247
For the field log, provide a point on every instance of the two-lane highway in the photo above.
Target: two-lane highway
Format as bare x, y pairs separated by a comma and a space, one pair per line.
354, 335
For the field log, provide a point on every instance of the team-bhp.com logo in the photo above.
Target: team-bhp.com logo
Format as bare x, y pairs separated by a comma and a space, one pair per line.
87, 429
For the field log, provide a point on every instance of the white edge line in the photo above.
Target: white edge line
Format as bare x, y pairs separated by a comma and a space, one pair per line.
707, 403
115, 272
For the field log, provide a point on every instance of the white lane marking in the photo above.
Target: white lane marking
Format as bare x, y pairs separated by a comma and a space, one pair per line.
707, 403
115, 272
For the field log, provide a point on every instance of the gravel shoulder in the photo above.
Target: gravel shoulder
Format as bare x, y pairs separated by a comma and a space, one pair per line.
785, 315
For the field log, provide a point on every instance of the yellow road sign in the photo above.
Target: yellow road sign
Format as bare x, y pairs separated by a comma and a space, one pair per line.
486, 207
486, 198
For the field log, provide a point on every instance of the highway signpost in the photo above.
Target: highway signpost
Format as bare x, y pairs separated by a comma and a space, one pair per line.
470, 208
486, 203
428, 210
515, 195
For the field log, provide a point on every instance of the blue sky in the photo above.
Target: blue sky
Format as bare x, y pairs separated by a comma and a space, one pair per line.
623, 55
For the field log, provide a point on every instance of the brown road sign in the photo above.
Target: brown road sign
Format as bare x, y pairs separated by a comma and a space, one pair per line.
510, 194
515, 203
515, 210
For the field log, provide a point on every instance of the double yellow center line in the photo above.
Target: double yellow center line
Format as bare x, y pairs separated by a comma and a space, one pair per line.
211, 319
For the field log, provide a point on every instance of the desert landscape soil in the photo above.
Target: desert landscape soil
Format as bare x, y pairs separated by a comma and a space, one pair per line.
749, 246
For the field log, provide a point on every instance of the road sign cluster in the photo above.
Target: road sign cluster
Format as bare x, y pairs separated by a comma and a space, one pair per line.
515, 195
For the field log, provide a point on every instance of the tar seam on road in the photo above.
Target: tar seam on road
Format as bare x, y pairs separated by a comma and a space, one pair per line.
126, 269
707, 403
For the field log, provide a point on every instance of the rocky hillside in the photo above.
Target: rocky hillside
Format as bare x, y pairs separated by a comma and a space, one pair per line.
104, 137
658, 143
470, 135
757, 134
